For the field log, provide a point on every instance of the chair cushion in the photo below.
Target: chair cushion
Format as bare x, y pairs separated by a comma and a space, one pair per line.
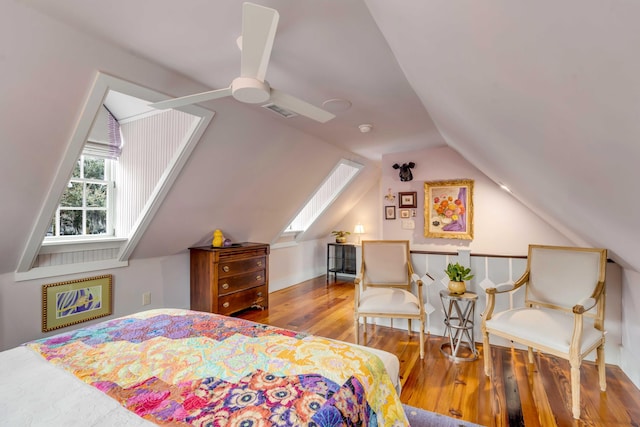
548, 327
389, 301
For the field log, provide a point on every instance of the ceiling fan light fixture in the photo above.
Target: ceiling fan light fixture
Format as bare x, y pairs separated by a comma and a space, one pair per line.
250, 90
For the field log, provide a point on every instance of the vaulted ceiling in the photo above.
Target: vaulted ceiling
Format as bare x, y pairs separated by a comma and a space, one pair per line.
541, 96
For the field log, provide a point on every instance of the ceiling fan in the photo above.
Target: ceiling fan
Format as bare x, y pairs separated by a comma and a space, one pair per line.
259, 25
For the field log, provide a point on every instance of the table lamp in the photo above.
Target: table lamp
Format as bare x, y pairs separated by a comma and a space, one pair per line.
358, 229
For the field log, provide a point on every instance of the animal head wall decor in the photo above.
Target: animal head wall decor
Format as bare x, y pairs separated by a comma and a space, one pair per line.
405, 171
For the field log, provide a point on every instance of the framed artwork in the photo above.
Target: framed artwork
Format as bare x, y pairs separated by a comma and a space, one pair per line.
389, 212
405, 213
407, 200
448, 209
76, 301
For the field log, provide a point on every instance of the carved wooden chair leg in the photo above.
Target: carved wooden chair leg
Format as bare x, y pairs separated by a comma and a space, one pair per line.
421, 340
575, 389
602, 374
486, 350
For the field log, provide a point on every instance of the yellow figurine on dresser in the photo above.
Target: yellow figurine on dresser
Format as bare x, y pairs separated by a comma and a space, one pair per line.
218, 239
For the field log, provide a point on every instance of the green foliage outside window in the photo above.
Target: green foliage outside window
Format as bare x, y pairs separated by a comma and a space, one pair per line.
84, 200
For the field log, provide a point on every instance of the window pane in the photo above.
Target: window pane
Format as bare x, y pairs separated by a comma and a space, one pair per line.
97, 195
96, 222
93, 168
51, 231
76, 170
72, 196
70, 222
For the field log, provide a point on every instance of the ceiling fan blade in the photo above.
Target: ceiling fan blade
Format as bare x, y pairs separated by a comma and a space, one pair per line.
299, 106
259, 26
192, 99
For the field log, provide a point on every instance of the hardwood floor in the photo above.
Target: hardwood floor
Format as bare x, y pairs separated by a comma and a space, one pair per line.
537, 395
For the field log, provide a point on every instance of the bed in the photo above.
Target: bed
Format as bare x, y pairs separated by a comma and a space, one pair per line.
180, 367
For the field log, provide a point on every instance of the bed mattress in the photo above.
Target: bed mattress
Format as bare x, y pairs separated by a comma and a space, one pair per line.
66, 380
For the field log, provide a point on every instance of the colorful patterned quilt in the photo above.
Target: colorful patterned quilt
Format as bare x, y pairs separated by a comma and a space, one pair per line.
178, 367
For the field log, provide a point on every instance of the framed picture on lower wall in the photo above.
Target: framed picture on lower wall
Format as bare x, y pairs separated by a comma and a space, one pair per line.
76, 301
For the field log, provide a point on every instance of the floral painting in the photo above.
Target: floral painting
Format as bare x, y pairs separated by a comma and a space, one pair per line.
448, 209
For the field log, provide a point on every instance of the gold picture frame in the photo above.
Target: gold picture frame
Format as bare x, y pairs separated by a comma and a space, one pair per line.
76, 301
448, 209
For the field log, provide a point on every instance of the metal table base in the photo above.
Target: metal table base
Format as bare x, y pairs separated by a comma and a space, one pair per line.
459, 310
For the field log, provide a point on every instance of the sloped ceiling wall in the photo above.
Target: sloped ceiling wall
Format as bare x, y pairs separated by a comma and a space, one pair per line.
541, 96
230, 182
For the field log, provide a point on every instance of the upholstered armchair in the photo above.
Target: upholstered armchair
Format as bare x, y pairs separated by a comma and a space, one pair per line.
563, 312
383, 287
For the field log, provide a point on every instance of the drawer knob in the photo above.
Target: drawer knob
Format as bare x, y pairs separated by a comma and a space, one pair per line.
226, 305
225, 268
259, 263
225, 286
258, 277
259, 294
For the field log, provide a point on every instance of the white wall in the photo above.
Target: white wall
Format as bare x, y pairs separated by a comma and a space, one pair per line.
502, 225
366, 212
631, 325
167, 278
294, 264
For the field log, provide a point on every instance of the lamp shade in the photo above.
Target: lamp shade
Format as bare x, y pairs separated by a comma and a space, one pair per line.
358, 229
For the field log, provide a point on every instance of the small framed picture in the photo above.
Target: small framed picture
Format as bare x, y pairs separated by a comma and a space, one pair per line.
405, 213
389, 212
407, 200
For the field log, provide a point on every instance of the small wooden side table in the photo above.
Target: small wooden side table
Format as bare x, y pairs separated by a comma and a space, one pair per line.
459, 310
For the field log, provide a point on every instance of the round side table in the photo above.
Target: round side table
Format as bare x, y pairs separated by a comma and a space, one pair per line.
459, 312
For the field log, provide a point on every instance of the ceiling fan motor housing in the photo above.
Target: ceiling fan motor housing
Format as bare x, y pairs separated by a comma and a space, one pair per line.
250, 90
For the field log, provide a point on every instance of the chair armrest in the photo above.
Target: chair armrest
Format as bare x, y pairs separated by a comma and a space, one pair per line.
585, 305
503, 288
588, 303
500, 289
415, 278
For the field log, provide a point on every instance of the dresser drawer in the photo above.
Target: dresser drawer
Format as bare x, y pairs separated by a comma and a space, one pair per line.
237, 301
230, 284
229, 279
231, 268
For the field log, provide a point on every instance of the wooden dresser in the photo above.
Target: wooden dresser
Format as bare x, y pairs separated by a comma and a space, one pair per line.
229, 279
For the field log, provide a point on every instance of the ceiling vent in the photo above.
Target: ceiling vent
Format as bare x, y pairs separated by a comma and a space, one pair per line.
279, 110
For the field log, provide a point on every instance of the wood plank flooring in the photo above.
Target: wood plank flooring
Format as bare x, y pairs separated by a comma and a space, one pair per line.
518, 395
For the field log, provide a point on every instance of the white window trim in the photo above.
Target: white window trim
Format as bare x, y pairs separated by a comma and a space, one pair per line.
102, 85
66, 269
78, 243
